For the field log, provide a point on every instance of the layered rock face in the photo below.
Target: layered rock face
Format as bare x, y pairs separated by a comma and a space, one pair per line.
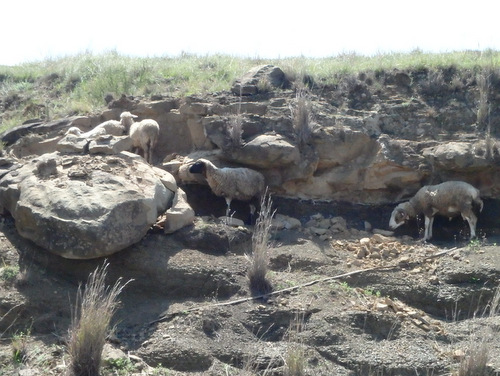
369, 140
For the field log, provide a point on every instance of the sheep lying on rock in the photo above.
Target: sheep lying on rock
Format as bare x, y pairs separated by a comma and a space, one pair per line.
449, 199
143, 134
111, 127
231, 183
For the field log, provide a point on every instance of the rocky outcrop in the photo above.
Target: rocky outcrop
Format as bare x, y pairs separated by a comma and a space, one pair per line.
367, 144
83, 206
260, 79
370, 144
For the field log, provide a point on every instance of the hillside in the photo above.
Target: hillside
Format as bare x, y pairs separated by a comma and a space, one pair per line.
349, 297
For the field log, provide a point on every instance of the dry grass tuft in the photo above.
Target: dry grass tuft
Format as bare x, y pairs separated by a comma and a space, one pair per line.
259, 259
295, 356
302, 117
483, 83
475, 362
94, 309
235, 130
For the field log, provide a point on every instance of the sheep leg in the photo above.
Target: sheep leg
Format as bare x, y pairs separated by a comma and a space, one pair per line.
472, 220
228, 203
253, 209
428, 228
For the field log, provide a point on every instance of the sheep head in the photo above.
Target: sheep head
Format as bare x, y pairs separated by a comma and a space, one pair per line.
400, 215
127, 119
127, 114
199, 167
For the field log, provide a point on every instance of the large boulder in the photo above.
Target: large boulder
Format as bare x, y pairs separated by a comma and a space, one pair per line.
266, 151
84, 206
260, 77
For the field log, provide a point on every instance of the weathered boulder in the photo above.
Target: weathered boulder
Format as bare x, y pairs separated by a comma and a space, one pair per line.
266, 151
180, 214
108, 144
34, 145
260, 76
84, 206
72, 143
459, 156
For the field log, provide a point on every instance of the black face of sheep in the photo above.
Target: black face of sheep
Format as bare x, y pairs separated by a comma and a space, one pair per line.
198, 168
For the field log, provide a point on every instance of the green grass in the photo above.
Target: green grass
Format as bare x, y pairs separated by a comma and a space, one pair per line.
9, 273
19, 347
78, 84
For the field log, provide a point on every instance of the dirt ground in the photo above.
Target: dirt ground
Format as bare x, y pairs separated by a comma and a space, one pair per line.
353, 304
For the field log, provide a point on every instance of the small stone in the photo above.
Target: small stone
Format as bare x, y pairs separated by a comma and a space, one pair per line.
319, 231
458, 354
386, 253
433, 280
381, 307
357, 263
364, 241
404, 261
362, 253
324, 223
379, 238
414, 314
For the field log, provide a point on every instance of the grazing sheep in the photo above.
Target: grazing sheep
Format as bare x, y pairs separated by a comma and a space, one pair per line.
231, 183
143, 134
449, 199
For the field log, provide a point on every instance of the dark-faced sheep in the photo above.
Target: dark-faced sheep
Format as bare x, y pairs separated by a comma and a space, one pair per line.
449, 199
231, 183
144, 134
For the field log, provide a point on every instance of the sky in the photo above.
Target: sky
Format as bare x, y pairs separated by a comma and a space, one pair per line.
34, 30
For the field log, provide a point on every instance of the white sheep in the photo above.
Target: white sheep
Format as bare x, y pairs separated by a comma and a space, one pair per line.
111, 127
143, 134
93, 133
449, 199
231, 183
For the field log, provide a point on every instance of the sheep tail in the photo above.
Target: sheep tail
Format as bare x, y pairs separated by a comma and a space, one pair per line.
479, 204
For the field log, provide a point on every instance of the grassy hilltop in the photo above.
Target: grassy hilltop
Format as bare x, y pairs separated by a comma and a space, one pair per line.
77, 84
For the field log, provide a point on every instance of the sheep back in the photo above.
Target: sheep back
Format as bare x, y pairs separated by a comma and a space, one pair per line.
239, 183
448, 199
144, 131
112, 127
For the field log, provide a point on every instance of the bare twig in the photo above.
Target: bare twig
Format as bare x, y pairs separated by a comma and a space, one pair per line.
169, 316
